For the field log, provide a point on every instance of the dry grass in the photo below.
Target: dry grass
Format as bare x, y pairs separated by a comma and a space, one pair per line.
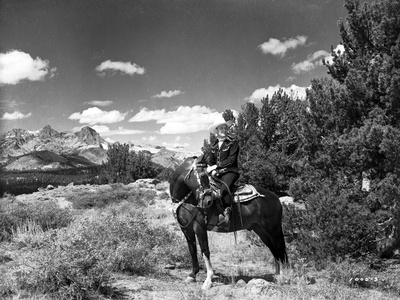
233, 259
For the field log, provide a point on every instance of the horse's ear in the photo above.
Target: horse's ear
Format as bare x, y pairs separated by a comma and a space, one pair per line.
203, 157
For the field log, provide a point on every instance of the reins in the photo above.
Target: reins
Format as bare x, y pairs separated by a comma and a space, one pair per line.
183, 200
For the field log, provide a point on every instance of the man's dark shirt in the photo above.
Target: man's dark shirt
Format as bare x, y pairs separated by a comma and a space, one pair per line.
226, 157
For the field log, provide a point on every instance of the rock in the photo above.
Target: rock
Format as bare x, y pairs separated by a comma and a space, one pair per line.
259, 286
169, 267
148, 181
286, 200
50, 187
241, 283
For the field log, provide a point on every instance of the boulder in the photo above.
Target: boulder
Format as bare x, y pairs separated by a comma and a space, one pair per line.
50, 187
241, 283
148, 181
259, 286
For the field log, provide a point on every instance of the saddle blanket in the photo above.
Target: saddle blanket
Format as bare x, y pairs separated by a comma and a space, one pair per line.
246, 192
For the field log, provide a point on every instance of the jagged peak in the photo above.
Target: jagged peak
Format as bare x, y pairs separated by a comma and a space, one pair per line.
89, 136
47, 132
88, 128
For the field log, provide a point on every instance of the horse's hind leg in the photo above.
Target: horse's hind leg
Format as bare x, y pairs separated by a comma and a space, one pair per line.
275, 245
191, 240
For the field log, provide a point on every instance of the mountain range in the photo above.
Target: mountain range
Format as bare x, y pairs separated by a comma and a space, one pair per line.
48, 149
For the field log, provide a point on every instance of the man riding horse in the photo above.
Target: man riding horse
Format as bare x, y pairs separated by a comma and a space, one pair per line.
257, 210
223, 163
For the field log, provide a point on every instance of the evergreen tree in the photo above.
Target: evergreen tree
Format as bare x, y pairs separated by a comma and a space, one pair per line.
126, 166
352, 128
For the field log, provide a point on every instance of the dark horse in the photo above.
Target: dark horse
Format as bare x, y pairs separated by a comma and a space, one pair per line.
197, 212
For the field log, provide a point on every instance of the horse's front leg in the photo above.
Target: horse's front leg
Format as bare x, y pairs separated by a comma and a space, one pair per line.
202, 237
191, 240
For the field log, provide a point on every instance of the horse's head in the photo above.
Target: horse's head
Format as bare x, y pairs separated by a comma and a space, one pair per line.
190, 183
205, 194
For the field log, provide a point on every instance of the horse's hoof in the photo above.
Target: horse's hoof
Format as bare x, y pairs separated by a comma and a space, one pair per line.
206, 285
190, 279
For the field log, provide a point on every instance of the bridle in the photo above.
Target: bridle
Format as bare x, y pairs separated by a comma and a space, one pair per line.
201, 191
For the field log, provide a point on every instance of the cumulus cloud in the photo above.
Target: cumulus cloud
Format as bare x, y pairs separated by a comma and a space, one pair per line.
123, 67
94, 115
100, 103
105, 131
169, 94
16, 115
16, 66
313, 61
277, 47
261, 93
184, 119
338, 50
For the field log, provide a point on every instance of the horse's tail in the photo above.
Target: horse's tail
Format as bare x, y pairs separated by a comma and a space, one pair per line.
280, 252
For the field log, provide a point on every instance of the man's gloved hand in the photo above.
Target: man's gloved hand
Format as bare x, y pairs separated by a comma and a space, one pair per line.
211, 169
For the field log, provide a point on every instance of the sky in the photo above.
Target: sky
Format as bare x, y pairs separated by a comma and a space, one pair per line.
155, 71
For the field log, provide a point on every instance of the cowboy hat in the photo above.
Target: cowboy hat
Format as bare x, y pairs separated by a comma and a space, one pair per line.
218, 122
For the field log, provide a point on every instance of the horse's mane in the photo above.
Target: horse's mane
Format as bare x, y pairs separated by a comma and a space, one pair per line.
184, 167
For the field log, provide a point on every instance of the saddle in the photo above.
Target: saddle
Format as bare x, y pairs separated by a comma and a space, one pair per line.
245, 193
242, 193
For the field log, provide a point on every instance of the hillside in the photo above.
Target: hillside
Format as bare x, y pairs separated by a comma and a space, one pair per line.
48, 149
47, 160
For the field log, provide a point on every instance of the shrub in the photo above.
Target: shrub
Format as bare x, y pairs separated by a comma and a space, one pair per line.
138, 197
165, 174
82, 257
335, 224
46, 215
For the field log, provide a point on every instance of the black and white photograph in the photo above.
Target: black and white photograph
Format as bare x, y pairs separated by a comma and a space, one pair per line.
199, 149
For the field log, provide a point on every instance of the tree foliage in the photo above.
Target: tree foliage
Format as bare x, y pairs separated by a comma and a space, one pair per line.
338, 149
126, 166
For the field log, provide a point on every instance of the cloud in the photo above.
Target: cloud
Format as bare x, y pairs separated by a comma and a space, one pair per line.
338, 50
105, 131
176, 145
149, 139
277, 47
184, 119
169, 94
100, 103
123, 67
16, 66
313, 61
94, 115
16, 115
264, 92
10, 104
110, 141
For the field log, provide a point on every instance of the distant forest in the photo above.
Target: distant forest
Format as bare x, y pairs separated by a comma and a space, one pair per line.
122, 166
25, 182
